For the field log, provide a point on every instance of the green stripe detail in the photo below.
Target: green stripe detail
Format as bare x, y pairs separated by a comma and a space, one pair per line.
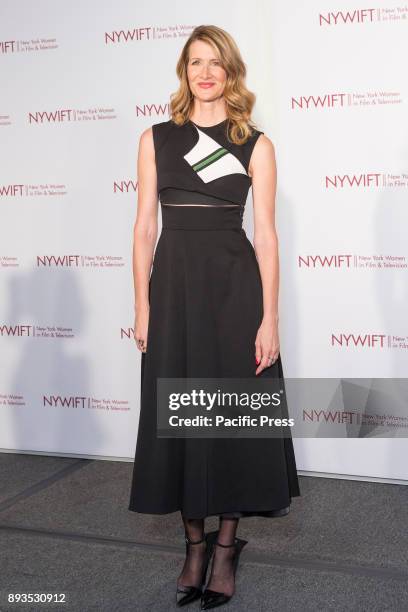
210, 159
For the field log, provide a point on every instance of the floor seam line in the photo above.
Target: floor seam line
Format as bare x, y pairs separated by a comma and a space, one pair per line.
249, 558
43, 484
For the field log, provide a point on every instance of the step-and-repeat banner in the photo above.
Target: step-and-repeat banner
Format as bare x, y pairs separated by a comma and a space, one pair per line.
80, 82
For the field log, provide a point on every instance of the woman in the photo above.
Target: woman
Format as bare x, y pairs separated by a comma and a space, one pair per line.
209, 308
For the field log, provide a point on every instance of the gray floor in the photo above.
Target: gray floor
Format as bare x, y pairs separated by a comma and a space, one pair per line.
65, 528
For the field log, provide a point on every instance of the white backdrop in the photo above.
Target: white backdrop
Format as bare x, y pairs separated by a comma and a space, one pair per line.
80, 82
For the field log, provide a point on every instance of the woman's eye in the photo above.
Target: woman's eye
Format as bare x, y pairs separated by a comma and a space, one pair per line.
214, 63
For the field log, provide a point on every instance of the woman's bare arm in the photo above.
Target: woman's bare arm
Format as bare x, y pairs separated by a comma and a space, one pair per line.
145, 231
264, 177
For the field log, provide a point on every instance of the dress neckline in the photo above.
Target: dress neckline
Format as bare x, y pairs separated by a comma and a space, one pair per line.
208, 126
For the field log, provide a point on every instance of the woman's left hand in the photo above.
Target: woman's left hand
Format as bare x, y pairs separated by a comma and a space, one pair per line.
266, 345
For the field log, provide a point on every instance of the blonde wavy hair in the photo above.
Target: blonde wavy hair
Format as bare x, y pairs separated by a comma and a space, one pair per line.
239, 100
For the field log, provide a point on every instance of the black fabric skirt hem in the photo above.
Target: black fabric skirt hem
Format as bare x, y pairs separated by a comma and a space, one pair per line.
278, 512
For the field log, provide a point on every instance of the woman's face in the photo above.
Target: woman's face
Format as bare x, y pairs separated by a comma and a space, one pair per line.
205, 74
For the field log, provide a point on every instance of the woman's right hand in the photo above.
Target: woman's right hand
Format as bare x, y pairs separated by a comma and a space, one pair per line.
140, 329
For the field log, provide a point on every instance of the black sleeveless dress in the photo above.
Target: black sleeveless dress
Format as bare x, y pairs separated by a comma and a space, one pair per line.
206, 306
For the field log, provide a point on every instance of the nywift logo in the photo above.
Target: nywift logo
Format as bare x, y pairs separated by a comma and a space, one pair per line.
8, 46
348, 17
27, 45
338, 100
16, 331
364, 16
70, 115
125, 36
62, 115
80, 261
369, 341
72, 401
366, 180
153, 110
147, 33
329, 100
50, 332
125, 186
18, 190
325, 261
58, 261
370, 179
12, 191
126, 333
81, 402
349, 260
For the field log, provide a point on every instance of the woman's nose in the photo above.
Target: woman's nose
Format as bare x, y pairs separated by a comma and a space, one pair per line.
205, 70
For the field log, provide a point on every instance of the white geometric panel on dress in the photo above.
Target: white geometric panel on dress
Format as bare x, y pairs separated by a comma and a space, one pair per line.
210, 160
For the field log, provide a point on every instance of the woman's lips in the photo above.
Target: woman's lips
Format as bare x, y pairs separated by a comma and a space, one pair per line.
205, 85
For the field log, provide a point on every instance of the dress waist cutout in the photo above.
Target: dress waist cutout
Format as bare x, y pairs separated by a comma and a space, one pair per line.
182, 216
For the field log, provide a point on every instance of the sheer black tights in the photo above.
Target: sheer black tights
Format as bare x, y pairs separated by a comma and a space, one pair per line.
193, 564
221, 576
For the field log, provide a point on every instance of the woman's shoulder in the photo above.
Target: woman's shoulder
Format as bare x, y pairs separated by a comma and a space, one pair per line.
256, 132
159, 127
162, 125
259, 146
260, 137
161, 131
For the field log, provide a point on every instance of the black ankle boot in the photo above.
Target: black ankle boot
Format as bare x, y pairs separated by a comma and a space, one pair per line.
213, 599
187, 594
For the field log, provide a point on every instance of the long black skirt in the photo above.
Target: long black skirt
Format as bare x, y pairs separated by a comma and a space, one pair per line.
206, 306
